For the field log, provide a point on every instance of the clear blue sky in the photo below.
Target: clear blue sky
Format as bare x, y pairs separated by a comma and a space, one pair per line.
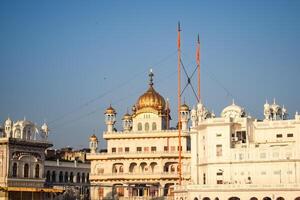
66, 61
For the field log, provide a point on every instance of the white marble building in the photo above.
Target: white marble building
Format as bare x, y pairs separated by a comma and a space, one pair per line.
142, 160
235, 156
22, 160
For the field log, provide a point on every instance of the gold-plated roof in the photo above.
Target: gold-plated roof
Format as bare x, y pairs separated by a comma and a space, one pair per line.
127, 116
151, 99
110, 110
93, 138
184, 107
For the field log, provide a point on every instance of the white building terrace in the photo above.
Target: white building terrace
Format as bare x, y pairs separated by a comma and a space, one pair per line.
236, 156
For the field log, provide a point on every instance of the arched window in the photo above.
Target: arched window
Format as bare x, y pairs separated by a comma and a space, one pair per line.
71, 177
83, 178
153, 126
53, 176
26, 170
88, 178
15, 170
234, 198
78, 178
146, 126
140, 126
37, 171
121, 169
66, 177
61, 177
267, 198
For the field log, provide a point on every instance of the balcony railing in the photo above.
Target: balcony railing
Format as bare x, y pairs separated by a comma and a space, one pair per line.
175, 153
137, 175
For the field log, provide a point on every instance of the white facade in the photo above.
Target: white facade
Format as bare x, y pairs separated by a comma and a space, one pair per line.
235, 155
142, 160
22, 160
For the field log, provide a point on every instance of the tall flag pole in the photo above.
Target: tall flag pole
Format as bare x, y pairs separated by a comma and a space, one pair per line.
179, 105
198, 65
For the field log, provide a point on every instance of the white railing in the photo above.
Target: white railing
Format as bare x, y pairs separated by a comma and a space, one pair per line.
140, 152
140, 175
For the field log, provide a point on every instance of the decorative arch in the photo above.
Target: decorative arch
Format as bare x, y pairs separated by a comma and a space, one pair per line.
253, 198
206, 198
168, 167
117, 167
280, 198
143, 167
195, 198
133, 168
297, 198
234, 198
153, 167
267, 198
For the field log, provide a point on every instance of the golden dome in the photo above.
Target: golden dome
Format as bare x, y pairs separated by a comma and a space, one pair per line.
151, 99
184, 107
127, 116
110, 110
94, 138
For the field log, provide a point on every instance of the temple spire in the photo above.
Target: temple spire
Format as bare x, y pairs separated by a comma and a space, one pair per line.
151, 78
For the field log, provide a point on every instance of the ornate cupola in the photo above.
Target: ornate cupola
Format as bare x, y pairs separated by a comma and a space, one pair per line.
184, 116
110, 118
8, 124
93, 143
127, 122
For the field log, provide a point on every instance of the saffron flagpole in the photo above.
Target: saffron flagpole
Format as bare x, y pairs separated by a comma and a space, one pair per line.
179, 105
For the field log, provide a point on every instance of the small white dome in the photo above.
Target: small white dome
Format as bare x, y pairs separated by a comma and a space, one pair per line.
8, 121
233, 111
